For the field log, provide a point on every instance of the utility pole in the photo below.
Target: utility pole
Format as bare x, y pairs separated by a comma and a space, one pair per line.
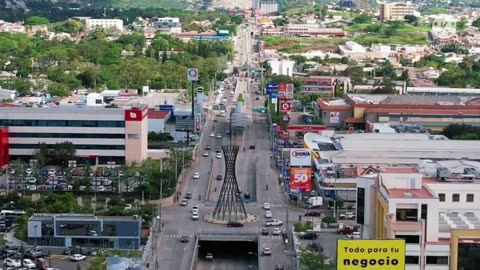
161, 198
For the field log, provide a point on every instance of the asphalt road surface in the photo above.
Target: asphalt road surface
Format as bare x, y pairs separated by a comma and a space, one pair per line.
254, 173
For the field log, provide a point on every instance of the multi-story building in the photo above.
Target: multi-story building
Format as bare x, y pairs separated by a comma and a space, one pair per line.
324, 85
304, 30
106, 24
432, 207
432, 112
167, 24
98, 133
396, 11
268, 7
72, 230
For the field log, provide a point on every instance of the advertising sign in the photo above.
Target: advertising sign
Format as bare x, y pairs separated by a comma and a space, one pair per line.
272, 86
371, 254
334, 118
135, 114
282, 87
301, 178
300, 157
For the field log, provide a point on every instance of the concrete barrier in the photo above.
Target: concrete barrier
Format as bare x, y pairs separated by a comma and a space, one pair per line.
195, 253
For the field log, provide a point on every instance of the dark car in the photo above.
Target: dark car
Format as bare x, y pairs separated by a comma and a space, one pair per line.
218, 150
184, 239
252, 146
188, 195
313, 214
309, 236
347, 230
234, 224
208, 147
68, 251
246, 195
219, 177
265, 231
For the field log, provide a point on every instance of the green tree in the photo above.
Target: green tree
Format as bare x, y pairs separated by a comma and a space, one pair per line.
364, 19
236, 19
23, 86
411, 19
36, 20
89, 77
58, 90
134, 73
63, 152
42, 154
70, 26
312, 261
476, 23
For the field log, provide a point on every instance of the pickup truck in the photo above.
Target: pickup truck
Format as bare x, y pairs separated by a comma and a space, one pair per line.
348, 215
274, 222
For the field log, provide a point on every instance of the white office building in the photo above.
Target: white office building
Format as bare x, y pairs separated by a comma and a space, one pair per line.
107, 24
98, 133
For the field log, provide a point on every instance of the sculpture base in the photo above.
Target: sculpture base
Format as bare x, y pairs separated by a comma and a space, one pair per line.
210, 219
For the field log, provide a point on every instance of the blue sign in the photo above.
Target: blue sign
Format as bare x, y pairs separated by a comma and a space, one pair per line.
268, 91
273, 95
272, 86
170, 108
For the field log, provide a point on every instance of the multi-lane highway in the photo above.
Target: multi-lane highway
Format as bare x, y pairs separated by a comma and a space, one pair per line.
254, 173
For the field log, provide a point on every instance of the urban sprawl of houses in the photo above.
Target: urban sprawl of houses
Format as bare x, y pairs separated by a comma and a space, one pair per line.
391, 130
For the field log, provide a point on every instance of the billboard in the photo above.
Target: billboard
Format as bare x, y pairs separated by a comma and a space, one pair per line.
371, 254
301, 178
300, 157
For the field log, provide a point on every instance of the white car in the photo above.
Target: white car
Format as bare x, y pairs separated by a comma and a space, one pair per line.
276, 231
268, 214
195, 208
274, 222
219, 156
266, 206
212, 134
31, 187
29, 170
77, 257
219, 136
205, 154
184, 202
12, 262
27, 263
354, 235
195, 211
195, 216
196, 175
266, 251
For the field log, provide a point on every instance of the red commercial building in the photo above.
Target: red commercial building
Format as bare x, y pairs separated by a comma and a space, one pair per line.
4, 149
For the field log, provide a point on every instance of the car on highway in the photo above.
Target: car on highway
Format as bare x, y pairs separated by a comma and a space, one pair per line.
11, 262
266, 206
212, 134
77, 257
276, 231
205, 154
309, 236
218, 150
195, 216
209, 257
188, 195
219, 177
252, 146
184, 239
347, 230
265, 231
29, 264
184, 202
196, 175
274, 222
218, 156
195, 211
268, 214
234, 224
279, 267
195, 208
208, 147
219, 136
313, 214
266, 251
354, 235
246, 195
348, 215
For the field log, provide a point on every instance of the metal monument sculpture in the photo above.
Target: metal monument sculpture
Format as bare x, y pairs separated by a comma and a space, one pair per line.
230, 205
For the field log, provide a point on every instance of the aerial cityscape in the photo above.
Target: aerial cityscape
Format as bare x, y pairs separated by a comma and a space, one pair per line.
240, 135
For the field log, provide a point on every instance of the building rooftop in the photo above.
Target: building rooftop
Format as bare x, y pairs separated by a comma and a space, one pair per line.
67, 216
409, 99
158, 114
421, 193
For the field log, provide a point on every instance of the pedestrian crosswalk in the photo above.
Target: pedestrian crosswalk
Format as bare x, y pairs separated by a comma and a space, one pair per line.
271, 237
169, 236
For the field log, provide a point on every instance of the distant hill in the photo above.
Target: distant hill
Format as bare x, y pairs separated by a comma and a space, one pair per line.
34, 4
